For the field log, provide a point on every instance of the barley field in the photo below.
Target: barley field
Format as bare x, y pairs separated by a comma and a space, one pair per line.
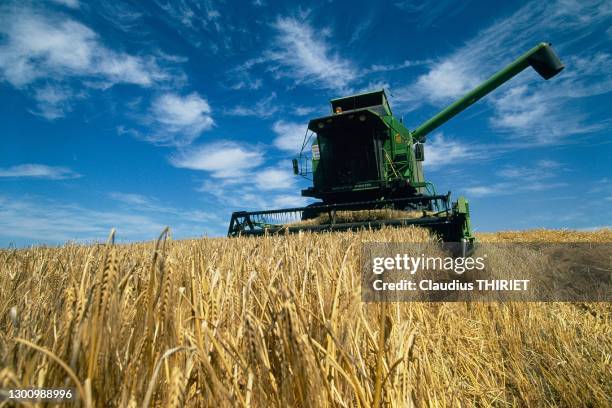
279, 321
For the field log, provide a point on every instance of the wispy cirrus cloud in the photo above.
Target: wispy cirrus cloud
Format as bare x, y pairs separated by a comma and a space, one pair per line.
547, 114
34, 219
263, 108
395, 67
56, 60
68, 3
540, 170
241, 195
429, 13
130, 198
206, 24
241, 76
301, 53
360, 30
39, 171
54, 101
303, 110
147, 204
41, 220
511, 188
200, 15
521, 179
306, 56
41, 45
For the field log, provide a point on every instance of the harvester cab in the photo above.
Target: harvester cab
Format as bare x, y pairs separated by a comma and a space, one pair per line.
366, 163
361, 152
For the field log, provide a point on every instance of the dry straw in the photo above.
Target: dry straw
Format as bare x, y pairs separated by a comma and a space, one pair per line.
279, 321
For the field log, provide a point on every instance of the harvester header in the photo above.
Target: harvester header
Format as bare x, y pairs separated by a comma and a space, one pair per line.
366, 166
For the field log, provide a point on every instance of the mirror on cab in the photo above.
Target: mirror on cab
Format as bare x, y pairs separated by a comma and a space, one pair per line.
419, 151
296, 169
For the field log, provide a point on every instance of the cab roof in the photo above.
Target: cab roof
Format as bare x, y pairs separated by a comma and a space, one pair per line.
376, 101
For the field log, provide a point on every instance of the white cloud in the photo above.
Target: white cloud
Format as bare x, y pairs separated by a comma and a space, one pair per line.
429, 12
241, 76
263, 108
68, 3
303, 110
302, 53
448, 79
41, 171
520, 179
541, 169
193, 15
55, 60
124, 17
130, 198
178, 120
539, 117
172, 119
396, 67
441, 151
54, 101
224, 159
46, 46
142, 203
510, 188
47, 221
289, 135
207, 25
596, 228
34, 219
289, 201
275, 178
247, 185
514, 112
246, 82
241, 194
374, 86
480, 191
360, 29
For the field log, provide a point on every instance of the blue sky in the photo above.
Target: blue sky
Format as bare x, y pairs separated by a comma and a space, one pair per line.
137, 115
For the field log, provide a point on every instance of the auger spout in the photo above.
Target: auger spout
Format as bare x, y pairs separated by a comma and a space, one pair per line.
541, 58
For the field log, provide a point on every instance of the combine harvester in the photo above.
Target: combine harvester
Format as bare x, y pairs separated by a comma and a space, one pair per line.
364, 160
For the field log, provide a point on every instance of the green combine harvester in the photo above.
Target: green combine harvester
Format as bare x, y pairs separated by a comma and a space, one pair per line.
363, 158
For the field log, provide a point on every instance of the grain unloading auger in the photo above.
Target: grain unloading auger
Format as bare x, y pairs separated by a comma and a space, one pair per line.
364, 160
